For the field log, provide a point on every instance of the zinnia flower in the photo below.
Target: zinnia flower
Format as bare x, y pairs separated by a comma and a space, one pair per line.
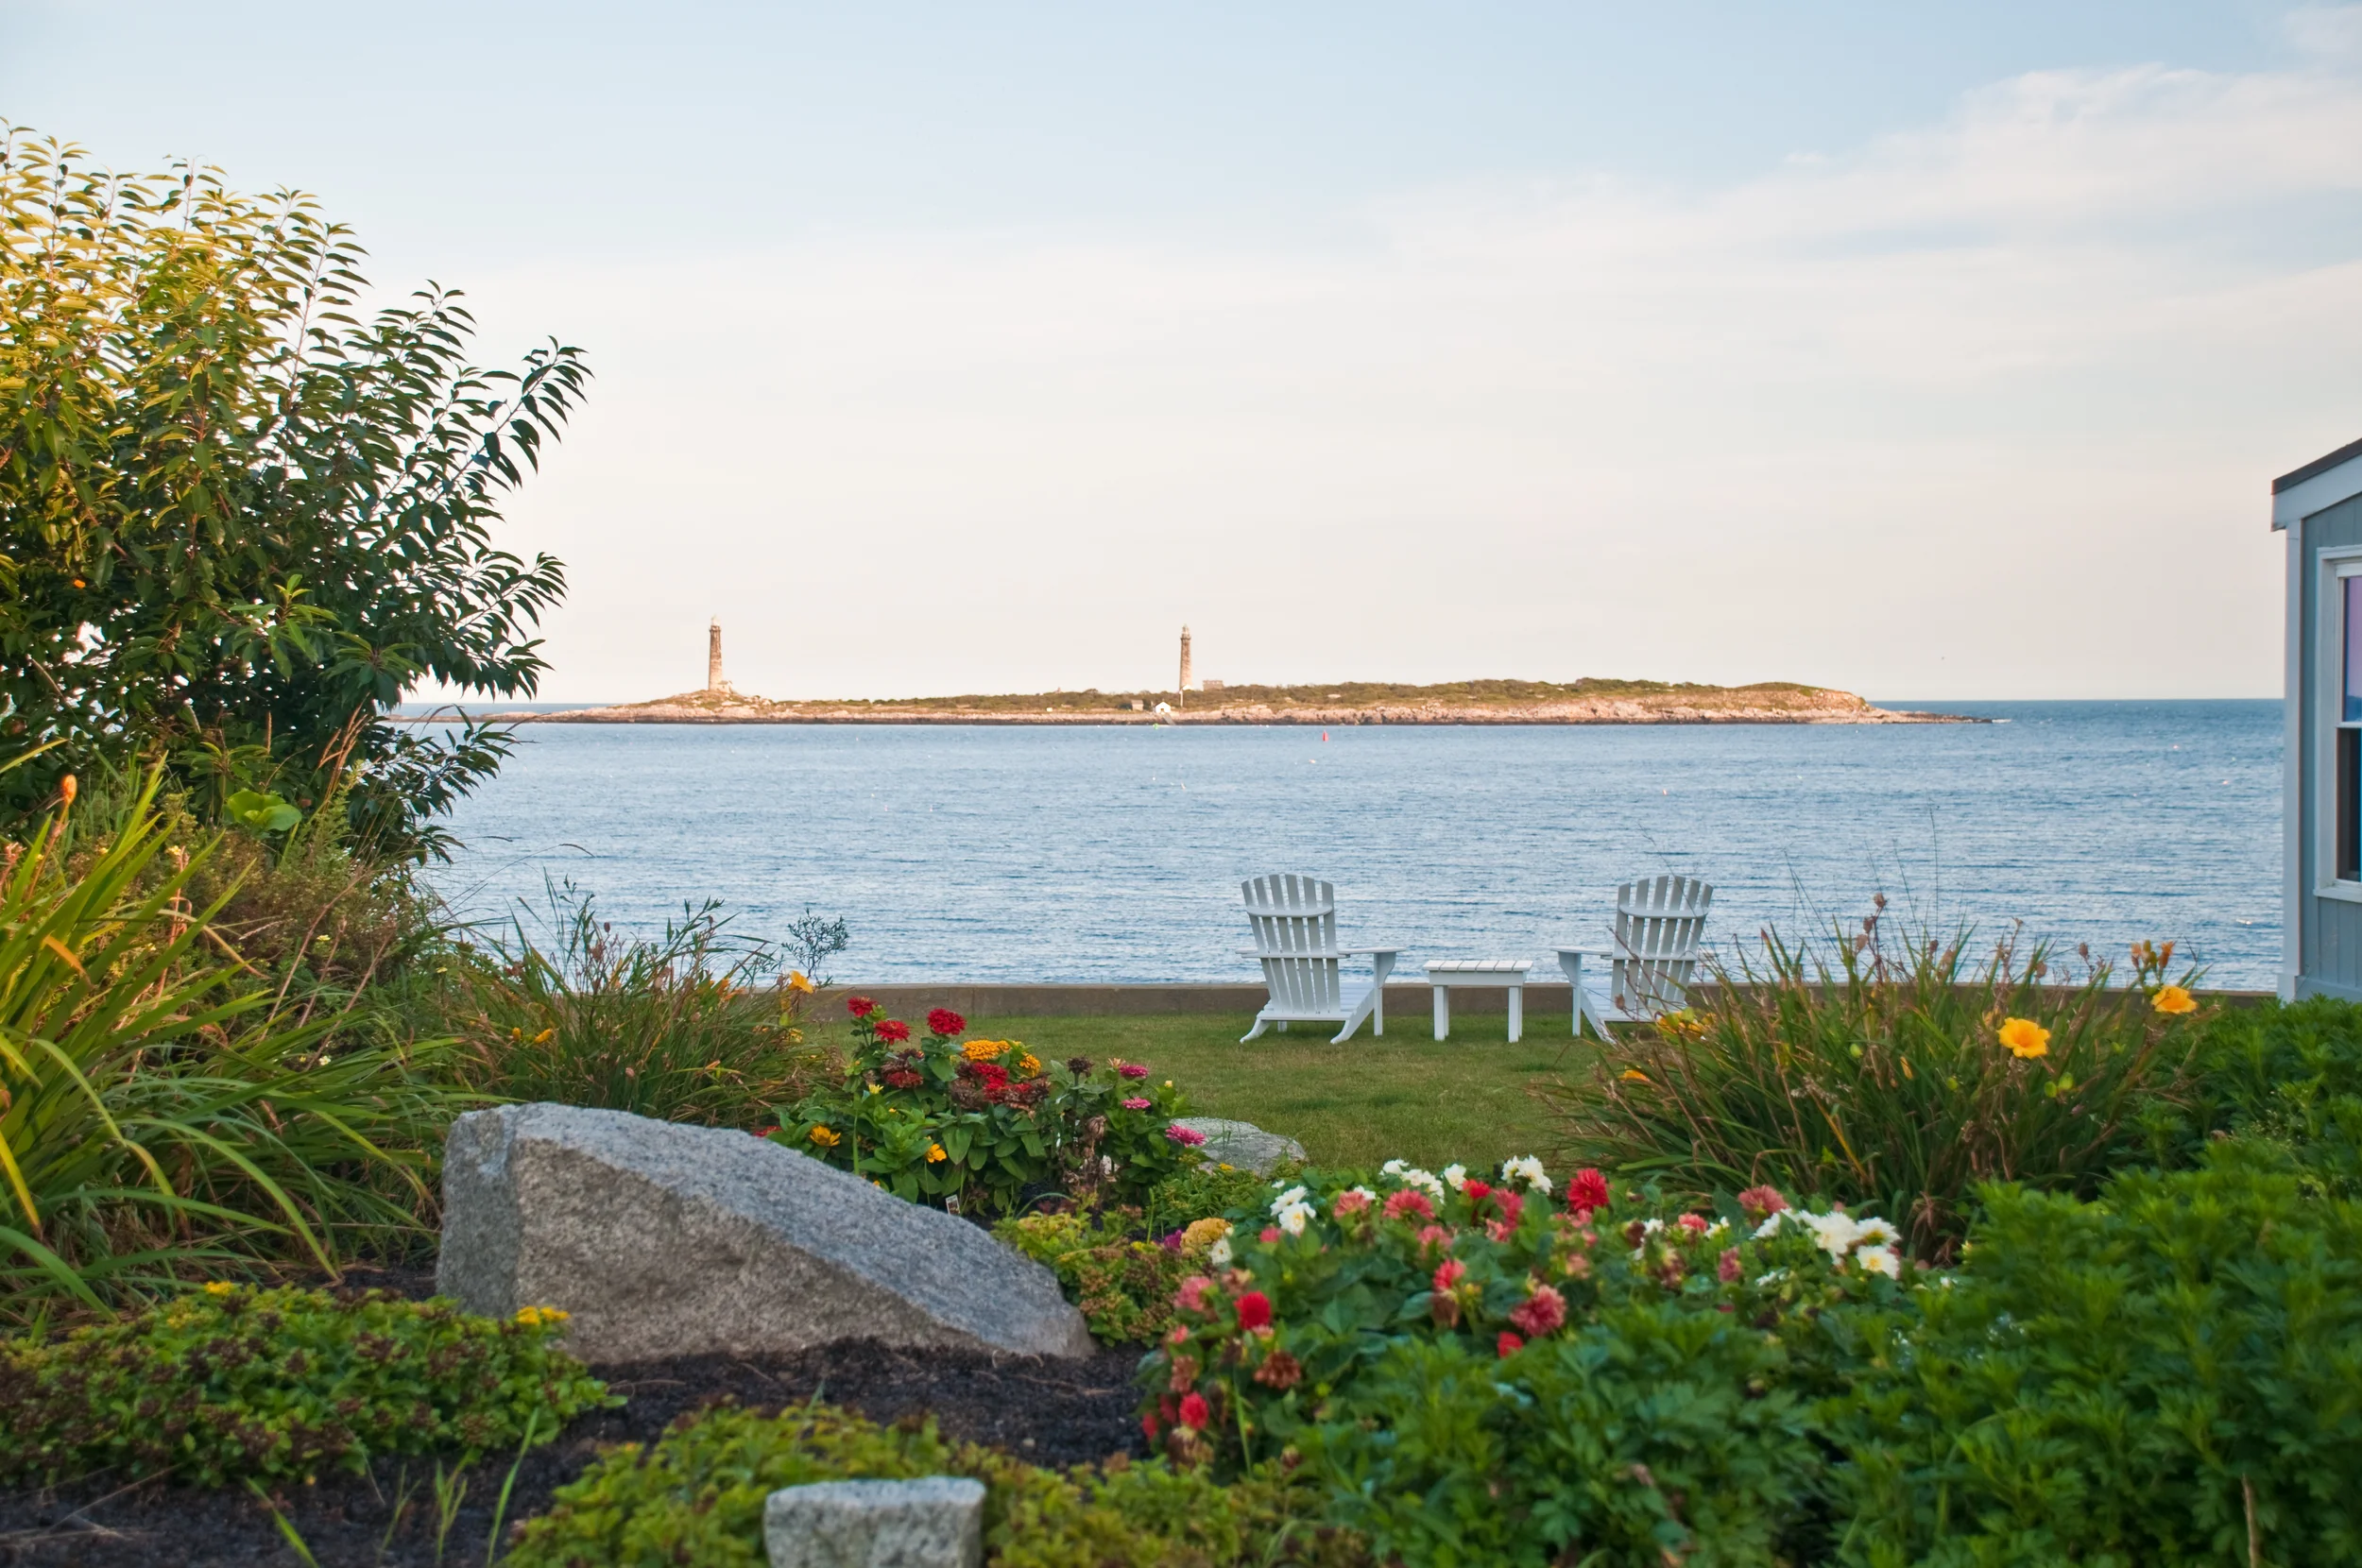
1506, 1345
1136, 1104
1253, 1311
1762, 1202
1727, 1271
859, 1007
1191, 1295
1279, 1370
942, 1020
1694, 1223
1130, 1069
1449, 1273
1407, 1202
893, 1032
1187, 1137
2025, 1038
983, 1050
1352, 1200
1194, 1412
826, 1138
1587, 1193
935, 1154
2173, 1000
1539, 1314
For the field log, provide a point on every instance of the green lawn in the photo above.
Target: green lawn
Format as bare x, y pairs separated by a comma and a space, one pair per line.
1361, 1103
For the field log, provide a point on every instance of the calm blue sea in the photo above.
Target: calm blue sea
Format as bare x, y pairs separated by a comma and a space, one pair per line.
1106, 854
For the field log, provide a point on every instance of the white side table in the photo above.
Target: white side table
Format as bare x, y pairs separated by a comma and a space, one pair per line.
1496, 973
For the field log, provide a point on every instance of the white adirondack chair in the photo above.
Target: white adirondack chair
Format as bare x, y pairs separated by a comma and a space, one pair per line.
1660, 936
1294, 923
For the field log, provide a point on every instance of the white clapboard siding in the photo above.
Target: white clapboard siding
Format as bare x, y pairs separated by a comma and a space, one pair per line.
1294, 920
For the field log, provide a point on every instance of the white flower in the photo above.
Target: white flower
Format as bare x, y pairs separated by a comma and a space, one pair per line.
1456, 1176
1770, 1226
1836, 1233
1392, 1167
1411, 1176
1717, 1229
1528, 1169
1294, 1217
1880, 1260
1650, 1226
1878, 1231
1288, 1199
1217, 1255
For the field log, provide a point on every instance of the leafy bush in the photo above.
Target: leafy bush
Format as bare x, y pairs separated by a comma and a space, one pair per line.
1208, 1190
1277, 1336
239, 521
671, 1026
697, 1496
2171, 1375
155, 1111
984, 1126
2287, 1078
1896, 1080
229, 1383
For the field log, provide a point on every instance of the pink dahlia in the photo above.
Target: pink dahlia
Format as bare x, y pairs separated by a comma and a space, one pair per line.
1187, 1137
1253, 1311
1762, 1202
1506, 1345
1130, 1069
1587, 1193
1407, 1202
1136, 1104
1194, 1412
1541, 1313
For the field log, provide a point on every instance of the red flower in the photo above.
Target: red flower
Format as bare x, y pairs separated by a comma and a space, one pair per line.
1187, 1137
1541, 1313
1148, 1425
942, 1020
1506, 1345
1130, 1069
1694, 1223
1476, 1189
1409, 1202
1253, 1311
1511, 1205
1194, 1412
1762, 1202
1191, 1295
859, 1007
893, 1030
1271, 1234
1136, 1104
902, 1077
1449, 1273
765, 1131
993, 1073
1587, 1193
1727, 1271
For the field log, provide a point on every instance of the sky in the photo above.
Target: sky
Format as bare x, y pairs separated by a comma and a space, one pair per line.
1923, 351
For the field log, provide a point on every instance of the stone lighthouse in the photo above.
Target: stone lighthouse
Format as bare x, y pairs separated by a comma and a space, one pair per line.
715, 685
1185, 668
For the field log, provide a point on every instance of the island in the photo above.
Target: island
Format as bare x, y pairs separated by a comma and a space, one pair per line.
1588, 701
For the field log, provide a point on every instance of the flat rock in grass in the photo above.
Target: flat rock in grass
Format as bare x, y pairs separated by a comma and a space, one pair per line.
934, 1521
1243, 1143
667, 1241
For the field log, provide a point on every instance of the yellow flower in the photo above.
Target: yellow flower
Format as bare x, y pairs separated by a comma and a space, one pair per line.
935, 1153
1028, 1063
983, 1050
2173, 1000
798, 980
544, 1037
1633, 1075
2025, 1038
220, 1287
534, 1317
825, 1139
1203, 1234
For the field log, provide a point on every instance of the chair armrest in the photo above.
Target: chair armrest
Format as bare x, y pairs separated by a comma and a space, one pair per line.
1587, 952
1300, 952
1397, 951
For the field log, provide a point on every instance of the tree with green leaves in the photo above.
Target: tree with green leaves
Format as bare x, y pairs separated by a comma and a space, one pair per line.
238, 519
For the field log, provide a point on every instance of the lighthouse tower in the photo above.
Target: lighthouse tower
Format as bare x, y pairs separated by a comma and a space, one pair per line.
714, 683
1185, 668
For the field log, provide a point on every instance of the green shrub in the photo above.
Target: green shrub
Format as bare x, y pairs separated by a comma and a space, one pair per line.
697, 1496
669, 1027
2290, 1077
2170, 1375
1881, 1078
1206, 1190
231, 1383
157, 1110
985, 1126
1123, 1282
1280, 1334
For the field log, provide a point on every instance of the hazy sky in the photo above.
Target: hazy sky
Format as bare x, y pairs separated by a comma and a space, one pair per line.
1923, 351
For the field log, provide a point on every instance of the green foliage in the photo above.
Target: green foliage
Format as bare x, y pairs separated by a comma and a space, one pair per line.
1286, 1324
261, 813
1122, 1284
1872, 1076
231, 1382
2285, 1078
155, 1111
235, 522
984, 1127
1208, 1189
2172, 1376
1653, 1433
697, 1496
670, 1027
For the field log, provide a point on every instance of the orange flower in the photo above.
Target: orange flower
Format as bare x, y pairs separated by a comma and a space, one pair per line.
2173, 1001
1633, 1075
2025, 1038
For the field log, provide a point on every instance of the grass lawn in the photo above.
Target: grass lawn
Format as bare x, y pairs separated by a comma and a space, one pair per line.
1361, 1103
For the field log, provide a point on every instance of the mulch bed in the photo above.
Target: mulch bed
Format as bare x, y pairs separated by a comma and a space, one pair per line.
1049, 1411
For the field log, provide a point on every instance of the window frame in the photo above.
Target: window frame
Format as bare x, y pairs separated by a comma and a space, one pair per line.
2336, 568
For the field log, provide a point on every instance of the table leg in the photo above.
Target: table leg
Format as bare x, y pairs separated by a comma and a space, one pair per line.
1383, 964
1572, 965
1516, 1013
1442, 1011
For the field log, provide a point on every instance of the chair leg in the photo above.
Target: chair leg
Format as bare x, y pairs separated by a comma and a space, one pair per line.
1255, 1031
1363, 1008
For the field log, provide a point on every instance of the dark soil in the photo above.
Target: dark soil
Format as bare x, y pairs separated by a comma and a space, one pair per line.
1052, 1412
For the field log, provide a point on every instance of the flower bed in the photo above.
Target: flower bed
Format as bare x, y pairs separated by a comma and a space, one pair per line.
981, 1126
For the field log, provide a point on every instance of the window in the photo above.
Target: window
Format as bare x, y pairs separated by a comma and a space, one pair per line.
2345, 836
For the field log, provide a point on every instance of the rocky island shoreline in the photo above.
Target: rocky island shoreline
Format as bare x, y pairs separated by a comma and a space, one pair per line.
1501, 702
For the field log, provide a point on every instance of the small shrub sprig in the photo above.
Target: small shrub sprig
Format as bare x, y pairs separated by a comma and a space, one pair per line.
983, 1126
233, 1382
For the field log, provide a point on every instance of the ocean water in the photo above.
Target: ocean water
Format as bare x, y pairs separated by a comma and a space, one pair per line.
1114, 854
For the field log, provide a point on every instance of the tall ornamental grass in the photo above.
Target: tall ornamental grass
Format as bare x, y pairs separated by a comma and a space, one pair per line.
156, 1113
678, 1026
1894, 1077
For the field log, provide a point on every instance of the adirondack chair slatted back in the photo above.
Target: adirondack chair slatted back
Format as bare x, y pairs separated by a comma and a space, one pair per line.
1295, 921
1660, 927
